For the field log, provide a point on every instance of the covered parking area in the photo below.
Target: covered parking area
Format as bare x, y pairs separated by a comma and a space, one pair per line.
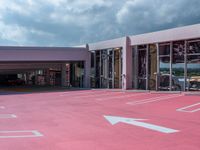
44, 66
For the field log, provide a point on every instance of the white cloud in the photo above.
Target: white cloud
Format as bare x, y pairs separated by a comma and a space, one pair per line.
12, 33
75, 22
153, 14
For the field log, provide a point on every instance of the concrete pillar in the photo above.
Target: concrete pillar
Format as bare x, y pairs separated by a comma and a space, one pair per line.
87, 67
36, 78
47, 77
63, 75
135, 67
127, 64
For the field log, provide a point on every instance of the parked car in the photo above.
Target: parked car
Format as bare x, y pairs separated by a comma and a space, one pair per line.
194, 83
164, 79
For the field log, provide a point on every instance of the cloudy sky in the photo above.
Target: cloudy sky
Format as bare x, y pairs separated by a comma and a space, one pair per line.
76, 22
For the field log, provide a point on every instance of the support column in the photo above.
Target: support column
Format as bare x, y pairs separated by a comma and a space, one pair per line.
171, 61
63, 75
185, 68
135, 67
158, 67
47, 77
127, 64
87, 67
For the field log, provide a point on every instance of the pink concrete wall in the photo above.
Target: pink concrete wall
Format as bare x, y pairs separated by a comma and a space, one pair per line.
42, 54
108, 44
181, 33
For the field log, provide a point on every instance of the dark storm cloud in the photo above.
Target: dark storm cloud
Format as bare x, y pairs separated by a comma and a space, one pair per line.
75, 22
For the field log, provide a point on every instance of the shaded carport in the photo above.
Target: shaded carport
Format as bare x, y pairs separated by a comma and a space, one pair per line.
20, 59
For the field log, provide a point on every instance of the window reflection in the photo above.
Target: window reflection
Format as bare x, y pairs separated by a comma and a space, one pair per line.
193, 66
178, 52
164, 67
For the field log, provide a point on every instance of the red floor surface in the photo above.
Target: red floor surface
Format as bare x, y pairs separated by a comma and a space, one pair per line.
74, 120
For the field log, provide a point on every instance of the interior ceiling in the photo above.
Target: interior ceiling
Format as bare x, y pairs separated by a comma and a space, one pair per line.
15, 68
19, 67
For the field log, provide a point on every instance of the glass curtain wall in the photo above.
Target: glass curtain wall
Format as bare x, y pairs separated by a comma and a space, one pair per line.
117, 68
177, 63
193, 65
77, 74
152, 70
163, 74
142, 67
178, 66
106, 68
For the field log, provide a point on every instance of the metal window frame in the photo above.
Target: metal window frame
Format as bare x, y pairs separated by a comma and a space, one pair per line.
170, 68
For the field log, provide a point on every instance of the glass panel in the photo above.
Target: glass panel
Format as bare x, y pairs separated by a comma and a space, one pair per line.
117, 68
178, 52
77, 74
152, 66
164, 68
164, 76
142, 68
142, 62
110, 64
193, 72
92, 74
104, 69
142, 84
178, 77
178, 66
110, 68
164, 50
194, 47
107, 68
97, 69
193, 66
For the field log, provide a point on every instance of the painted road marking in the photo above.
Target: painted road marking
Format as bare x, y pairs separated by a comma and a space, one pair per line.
154, 99
20, 134
137, 122
190, 109
118, 97
2, 107
3, 116
96, 95
81, 93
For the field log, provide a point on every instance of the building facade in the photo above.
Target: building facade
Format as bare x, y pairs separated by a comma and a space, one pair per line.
167, 60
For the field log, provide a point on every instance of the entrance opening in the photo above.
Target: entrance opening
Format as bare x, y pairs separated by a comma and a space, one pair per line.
145, 67
41, 74
106, 68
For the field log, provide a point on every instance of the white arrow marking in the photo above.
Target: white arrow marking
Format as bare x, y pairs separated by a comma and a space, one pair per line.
136, 122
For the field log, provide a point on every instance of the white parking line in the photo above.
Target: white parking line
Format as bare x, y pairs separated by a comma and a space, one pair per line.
150, 100
34, 133
118, 97
4, 116
184, 109
80, 93
95, 95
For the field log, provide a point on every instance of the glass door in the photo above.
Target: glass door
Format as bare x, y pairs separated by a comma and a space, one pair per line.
142, 67
110, 68
117, 68
193, 65
164, 73
104, 69
152, 66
